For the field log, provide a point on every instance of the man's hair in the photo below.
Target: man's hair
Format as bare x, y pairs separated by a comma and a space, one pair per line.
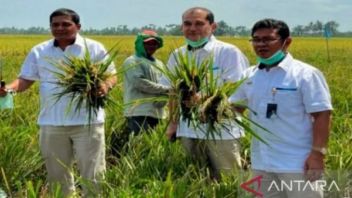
281, 27
65, 12
210, 16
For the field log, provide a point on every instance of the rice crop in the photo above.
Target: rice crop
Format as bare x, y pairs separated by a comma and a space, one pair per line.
149, 165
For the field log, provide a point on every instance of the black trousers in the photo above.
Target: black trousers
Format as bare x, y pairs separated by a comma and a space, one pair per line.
134, 124
137, 124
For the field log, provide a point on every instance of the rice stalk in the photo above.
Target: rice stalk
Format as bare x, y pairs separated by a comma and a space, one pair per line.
198, 98
79, 79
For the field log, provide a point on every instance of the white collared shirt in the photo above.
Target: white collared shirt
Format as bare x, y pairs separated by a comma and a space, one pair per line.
229, 64
36, 67
298, 89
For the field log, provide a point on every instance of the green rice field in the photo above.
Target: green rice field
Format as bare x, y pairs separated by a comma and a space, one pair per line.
149, 165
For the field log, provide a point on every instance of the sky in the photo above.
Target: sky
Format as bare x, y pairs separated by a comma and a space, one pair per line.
99, 14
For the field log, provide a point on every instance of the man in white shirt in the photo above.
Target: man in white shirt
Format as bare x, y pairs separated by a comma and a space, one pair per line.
222, 155
290, 99
65, 135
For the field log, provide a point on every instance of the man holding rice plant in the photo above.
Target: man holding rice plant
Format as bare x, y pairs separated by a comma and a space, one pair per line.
67, 132
220, 151
290, 99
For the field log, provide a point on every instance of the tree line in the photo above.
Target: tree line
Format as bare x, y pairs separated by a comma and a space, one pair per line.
316, 28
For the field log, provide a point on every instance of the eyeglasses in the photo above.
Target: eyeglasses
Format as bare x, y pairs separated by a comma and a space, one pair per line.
256, 41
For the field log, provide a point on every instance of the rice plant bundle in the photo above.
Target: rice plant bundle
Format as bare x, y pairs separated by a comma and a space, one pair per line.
185, 81
190, 78
215, 109
79, 78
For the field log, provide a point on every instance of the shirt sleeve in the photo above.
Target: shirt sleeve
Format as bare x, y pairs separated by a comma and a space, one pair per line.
171, 63
100, 53
135, 75
147, 86
315, 91
111, 67
29, 70
240, 94
234, 64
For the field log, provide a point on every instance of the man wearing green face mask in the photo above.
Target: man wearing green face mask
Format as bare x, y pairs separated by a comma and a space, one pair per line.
140, 85
141, 82
221, 154
291, 99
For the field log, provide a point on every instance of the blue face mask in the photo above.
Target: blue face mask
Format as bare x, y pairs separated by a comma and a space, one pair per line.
198, 43
275, 58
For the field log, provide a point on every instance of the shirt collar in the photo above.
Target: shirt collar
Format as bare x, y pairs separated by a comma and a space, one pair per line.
208, 46
190, 48
283, 64
78, 41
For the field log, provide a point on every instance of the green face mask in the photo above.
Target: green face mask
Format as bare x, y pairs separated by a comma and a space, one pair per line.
275, 58
139, 44
198, 43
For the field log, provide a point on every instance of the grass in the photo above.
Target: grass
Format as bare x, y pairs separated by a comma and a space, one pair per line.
149, 165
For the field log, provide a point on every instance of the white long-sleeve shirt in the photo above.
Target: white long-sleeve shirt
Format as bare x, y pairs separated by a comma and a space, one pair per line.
37, 67
229, 63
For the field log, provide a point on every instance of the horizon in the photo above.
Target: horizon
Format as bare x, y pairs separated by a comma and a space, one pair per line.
137, 13
164, 26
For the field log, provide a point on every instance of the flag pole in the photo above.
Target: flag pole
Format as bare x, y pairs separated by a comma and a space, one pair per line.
2, 82
328, 49
327, 35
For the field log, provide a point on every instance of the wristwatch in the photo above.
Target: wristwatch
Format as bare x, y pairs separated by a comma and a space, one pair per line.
321, 150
